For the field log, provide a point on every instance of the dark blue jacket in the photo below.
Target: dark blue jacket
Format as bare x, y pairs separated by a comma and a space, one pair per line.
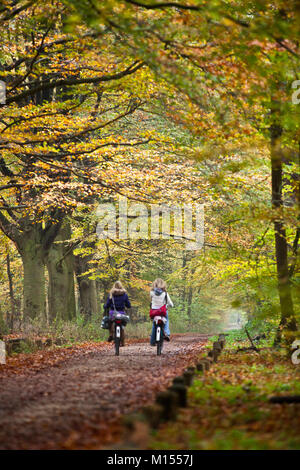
121, 301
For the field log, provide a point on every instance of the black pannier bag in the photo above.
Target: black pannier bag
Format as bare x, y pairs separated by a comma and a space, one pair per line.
105, 323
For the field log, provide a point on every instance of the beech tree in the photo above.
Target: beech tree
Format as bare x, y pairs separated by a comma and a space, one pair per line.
50, 137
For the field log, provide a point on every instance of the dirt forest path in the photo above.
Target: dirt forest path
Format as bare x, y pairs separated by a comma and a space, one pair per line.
75, 400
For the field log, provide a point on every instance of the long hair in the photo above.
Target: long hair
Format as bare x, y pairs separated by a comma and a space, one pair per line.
159, 284
118, 286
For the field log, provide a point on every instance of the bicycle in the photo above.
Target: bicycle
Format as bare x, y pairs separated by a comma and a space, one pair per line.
159, 323
120, 320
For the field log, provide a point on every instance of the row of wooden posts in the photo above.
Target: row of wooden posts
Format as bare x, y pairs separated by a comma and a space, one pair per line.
168, 402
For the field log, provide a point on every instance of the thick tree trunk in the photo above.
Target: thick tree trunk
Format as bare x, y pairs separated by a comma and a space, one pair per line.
61, 290
288, 322
34, 278
33, 245
87, 288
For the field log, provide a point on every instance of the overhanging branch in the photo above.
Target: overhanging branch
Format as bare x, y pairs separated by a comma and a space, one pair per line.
72, 82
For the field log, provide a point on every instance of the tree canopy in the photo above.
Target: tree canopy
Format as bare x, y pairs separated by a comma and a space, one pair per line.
159, 102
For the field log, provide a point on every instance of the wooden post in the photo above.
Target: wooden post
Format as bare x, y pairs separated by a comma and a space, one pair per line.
168, 401
153, 415
178, 380
213, 354
206, 363
181, 393
188, 377
200, 367
217, 346
221, 340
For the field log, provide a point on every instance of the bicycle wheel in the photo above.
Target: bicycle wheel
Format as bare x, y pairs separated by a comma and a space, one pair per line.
117, 339
117, 346
160, 343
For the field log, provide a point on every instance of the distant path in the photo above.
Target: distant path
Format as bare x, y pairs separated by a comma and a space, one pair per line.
74, 402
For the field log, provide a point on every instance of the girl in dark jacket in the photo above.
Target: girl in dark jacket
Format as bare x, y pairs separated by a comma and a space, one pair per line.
117, 299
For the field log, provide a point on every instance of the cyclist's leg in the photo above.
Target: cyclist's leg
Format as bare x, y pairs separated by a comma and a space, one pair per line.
167, 326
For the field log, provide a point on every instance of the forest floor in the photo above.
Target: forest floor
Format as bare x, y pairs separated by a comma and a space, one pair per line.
229, 407
74, 398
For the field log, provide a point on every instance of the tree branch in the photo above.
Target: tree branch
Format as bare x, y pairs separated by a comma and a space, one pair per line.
9, 228
16, 11
71, 82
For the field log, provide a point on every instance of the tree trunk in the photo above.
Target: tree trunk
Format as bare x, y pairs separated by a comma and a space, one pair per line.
33, 242
34, 278
189, 303
87, 287
288, 322
2, 325
183, 292
11, 293
61, 290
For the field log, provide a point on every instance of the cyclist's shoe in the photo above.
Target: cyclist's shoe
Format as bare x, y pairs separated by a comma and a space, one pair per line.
166, 338
110, 338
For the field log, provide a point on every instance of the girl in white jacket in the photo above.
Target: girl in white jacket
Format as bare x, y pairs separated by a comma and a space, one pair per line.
160, 297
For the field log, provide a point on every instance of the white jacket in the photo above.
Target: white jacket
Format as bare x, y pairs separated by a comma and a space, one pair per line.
158, 301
